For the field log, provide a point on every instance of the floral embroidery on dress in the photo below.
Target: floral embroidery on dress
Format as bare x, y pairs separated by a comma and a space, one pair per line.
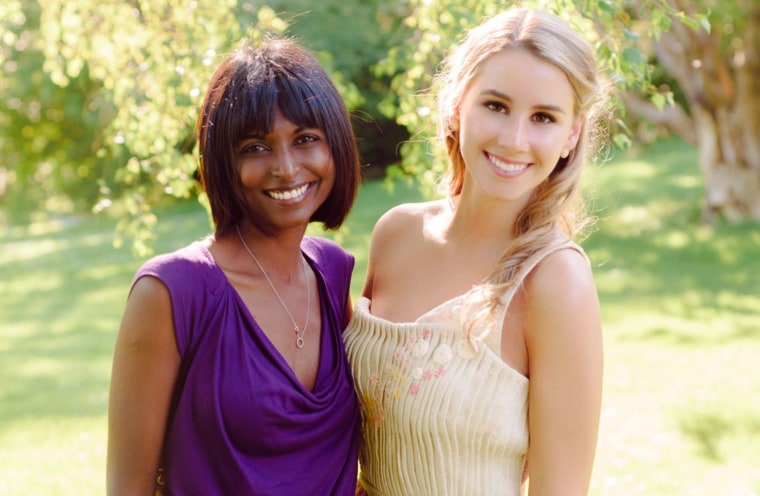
420, 348
417, 360
414, 362
442, 355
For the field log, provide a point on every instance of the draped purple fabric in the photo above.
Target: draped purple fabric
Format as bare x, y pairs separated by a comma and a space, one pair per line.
241, 423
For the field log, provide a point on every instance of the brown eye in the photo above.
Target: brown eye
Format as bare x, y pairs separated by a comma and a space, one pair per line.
252, 148
544, 118
495, 107
307, 138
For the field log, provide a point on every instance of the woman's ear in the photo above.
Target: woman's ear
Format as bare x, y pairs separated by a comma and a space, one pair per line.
575, 133
454, 120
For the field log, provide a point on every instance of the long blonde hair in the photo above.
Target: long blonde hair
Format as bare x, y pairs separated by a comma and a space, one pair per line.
556, 203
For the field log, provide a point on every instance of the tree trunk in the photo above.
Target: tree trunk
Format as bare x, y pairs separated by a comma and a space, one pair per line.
732, 183
722, 90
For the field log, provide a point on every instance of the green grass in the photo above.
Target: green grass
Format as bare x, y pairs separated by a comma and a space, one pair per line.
681, 310
681, 412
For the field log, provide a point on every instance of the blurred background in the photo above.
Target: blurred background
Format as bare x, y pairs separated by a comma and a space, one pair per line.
98, 101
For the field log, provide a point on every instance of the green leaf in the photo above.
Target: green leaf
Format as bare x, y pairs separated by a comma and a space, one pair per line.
659, 100
634, 56
608, 6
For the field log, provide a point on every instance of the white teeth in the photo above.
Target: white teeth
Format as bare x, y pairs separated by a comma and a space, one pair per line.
290, 194
507, 167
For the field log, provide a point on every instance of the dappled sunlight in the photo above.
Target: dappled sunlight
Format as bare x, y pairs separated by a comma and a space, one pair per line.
18, 291
677, 239
747, 303
56, 373
684, 319
683, 408
614, 281
41, 225
636, 216
708, 431
50, 443
691, 182
26, 250
633, 220
733, 249
634, 170
721, 420
641, 196
663, 277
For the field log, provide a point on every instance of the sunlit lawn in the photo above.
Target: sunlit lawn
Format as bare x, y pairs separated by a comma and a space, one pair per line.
681, 309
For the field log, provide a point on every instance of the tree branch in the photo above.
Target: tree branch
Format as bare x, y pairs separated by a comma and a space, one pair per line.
672, 117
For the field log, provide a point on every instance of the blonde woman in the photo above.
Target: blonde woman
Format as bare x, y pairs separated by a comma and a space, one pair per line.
476, 345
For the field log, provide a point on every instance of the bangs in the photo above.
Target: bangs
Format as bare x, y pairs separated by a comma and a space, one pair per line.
260, 101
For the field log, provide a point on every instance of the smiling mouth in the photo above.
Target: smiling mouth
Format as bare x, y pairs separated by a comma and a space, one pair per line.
510, 167
288, 194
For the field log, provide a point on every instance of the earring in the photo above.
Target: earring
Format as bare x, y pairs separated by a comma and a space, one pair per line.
565, 153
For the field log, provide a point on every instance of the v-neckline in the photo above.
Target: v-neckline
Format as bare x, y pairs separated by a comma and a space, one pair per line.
282, 363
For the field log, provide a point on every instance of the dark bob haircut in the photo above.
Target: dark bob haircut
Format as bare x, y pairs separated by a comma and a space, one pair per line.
244, 94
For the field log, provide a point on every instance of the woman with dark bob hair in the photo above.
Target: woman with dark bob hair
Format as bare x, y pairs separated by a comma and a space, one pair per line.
229, 372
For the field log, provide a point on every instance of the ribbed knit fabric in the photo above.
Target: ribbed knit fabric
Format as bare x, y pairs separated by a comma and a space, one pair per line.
441, 414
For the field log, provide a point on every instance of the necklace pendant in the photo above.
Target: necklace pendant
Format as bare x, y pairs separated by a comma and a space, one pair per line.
296, 329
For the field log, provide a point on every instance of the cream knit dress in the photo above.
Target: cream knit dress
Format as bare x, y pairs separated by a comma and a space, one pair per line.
441, 414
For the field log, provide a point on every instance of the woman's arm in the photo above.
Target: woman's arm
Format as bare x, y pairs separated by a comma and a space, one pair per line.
145, 366
564, 341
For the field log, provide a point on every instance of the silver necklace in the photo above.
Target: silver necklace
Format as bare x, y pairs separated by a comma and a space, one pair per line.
299, 333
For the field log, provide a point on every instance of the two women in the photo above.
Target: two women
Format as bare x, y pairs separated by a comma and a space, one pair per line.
476, 345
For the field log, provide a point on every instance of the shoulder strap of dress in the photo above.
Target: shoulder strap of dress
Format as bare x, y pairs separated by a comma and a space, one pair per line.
529, 265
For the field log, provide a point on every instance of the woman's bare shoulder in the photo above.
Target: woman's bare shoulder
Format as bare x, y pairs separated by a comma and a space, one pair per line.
562, 297
562, 275
407, 216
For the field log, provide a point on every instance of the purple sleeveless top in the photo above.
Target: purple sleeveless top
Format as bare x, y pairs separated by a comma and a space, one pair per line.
240, 422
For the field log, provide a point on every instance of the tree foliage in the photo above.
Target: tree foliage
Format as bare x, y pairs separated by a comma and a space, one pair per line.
46, 143
151, 61
715, 67
100, 97
131, 76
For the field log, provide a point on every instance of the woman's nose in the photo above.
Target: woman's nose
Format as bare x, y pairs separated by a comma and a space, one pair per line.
285, 164
515, 134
